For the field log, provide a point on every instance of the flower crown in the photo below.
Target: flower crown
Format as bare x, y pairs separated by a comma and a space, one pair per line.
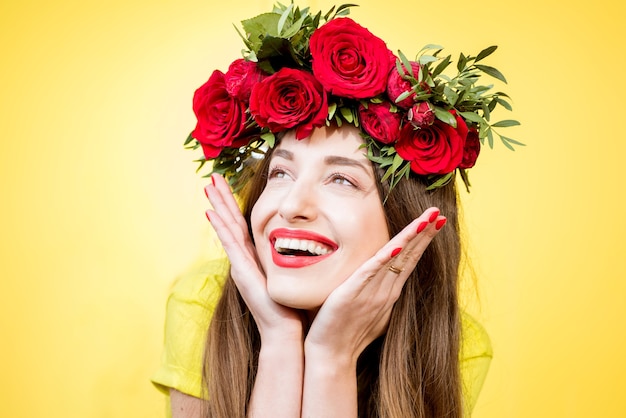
298, 74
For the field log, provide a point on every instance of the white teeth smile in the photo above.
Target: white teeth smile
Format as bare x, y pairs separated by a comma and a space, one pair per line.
288, 244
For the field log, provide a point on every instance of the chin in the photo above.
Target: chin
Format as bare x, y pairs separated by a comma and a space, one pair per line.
295, 298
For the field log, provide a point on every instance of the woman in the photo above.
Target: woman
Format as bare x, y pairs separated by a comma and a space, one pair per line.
317, 309
342, 293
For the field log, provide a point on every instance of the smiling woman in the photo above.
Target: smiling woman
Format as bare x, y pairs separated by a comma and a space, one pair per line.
322, 196
341, 297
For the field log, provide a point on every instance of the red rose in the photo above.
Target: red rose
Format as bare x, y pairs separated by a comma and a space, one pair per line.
221, 117
379, 122
349, 60
241, 76
396, 85
471, 149
289, 98
434, 149
421, 114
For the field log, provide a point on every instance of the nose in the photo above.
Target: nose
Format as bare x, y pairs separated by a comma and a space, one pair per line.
300, 204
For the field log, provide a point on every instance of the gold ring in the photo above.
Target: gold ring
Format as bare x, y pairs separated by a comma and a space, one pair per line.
394, 269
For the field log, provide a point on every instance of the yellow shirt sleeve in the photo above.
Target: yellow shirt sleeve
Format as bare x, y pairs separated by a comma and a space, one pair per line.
189, 309
475, 358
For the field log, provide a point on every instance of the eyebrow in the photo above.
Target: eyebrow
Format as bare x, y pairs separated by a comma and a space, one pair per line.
328, 160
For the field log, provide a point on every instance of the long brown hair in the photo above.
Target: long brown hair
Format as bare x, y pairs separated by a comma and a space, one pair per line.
411, 371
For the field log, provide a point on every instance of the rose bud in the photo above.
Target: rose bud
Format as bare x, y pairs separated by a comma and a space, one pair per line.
421, 114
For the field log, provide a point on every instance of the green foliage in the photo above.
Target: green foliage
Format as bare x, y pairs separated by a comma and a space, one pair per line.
281, 38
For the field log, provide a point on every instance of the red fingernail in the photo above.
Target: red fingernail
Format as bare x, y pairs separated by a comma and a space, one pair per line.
396, 252
433, 216
212, 180
421, 227
206, 192
207, 216
440, 223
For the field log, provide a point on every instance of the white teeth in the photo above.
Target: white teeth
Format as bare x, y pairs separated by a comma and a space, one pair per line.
301, 245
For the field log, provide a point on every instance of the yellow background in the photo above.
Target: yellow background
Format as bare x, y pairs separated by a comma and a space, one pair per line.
101, 207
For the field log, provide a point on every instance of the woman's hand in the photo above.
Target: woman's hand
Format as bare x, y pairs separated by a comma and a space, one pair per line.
354, 315
277, 390
277, 324
358, 311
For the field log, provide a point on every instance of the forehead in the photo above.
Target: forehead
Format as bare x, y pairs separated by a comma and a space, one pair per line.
344, 142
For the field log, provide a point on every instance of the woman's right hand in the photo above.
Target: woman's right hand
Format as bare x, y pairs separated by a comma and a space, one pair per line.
277, 323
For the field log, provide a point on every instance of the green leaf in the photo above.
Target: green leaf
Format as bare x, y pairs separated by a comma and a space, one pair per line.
505, 123
441, 66
486, 52
491, 71
189, 138
441, 181
403, 96
451, 95
506, 144
462, 62
294, 28
472, 117
283, 18
266, 23
425, 59
397, 161
490, 138
503, 103
445, 116
269, 139
406, 63
347, 114
511, 140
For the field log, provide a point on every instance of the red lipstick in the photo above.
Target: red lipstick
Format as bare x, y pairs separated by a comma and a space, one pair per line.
294, 261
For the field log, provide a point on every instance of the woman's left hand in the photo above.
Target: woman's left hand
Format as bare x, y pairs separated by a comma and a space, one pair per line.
358, 311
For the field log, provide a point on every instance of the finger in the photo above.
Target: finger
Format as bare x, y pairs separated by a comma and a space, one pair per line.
243, 264
230, 215
229, 199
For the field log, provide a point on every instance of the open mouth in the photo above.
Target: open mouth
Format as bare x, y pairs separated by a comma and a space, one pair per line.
300, 247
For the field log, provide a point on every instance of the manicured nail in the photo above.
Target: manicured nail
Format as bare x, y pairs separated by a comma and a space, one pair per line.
433, 216
396, 252
440, 223
207, 215
421, 227
212, 180
206, 192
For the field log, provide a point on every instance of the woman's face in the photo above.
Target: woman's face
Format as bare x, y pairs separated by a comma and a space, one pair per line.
318, 218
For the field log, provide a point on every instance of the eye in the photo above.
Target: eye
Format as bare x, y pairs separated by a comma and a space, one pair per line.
277, 173
337, 178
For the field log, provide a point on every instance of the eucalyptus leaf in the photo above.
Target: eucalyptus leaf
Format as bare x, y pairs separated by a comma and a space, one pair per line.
490, 138
283, 19
506, 143
347, 114
397, 161
441, 181
505, 123
486, 52
473, 117
462, 62
491, 71
445, 116
403, 95
441, 66
511, 140
406, 63
332, 108
425, 59
503, 103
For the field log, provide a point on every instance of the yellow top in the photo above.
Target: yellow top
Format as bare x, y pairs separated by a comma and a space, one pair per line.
189, 309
